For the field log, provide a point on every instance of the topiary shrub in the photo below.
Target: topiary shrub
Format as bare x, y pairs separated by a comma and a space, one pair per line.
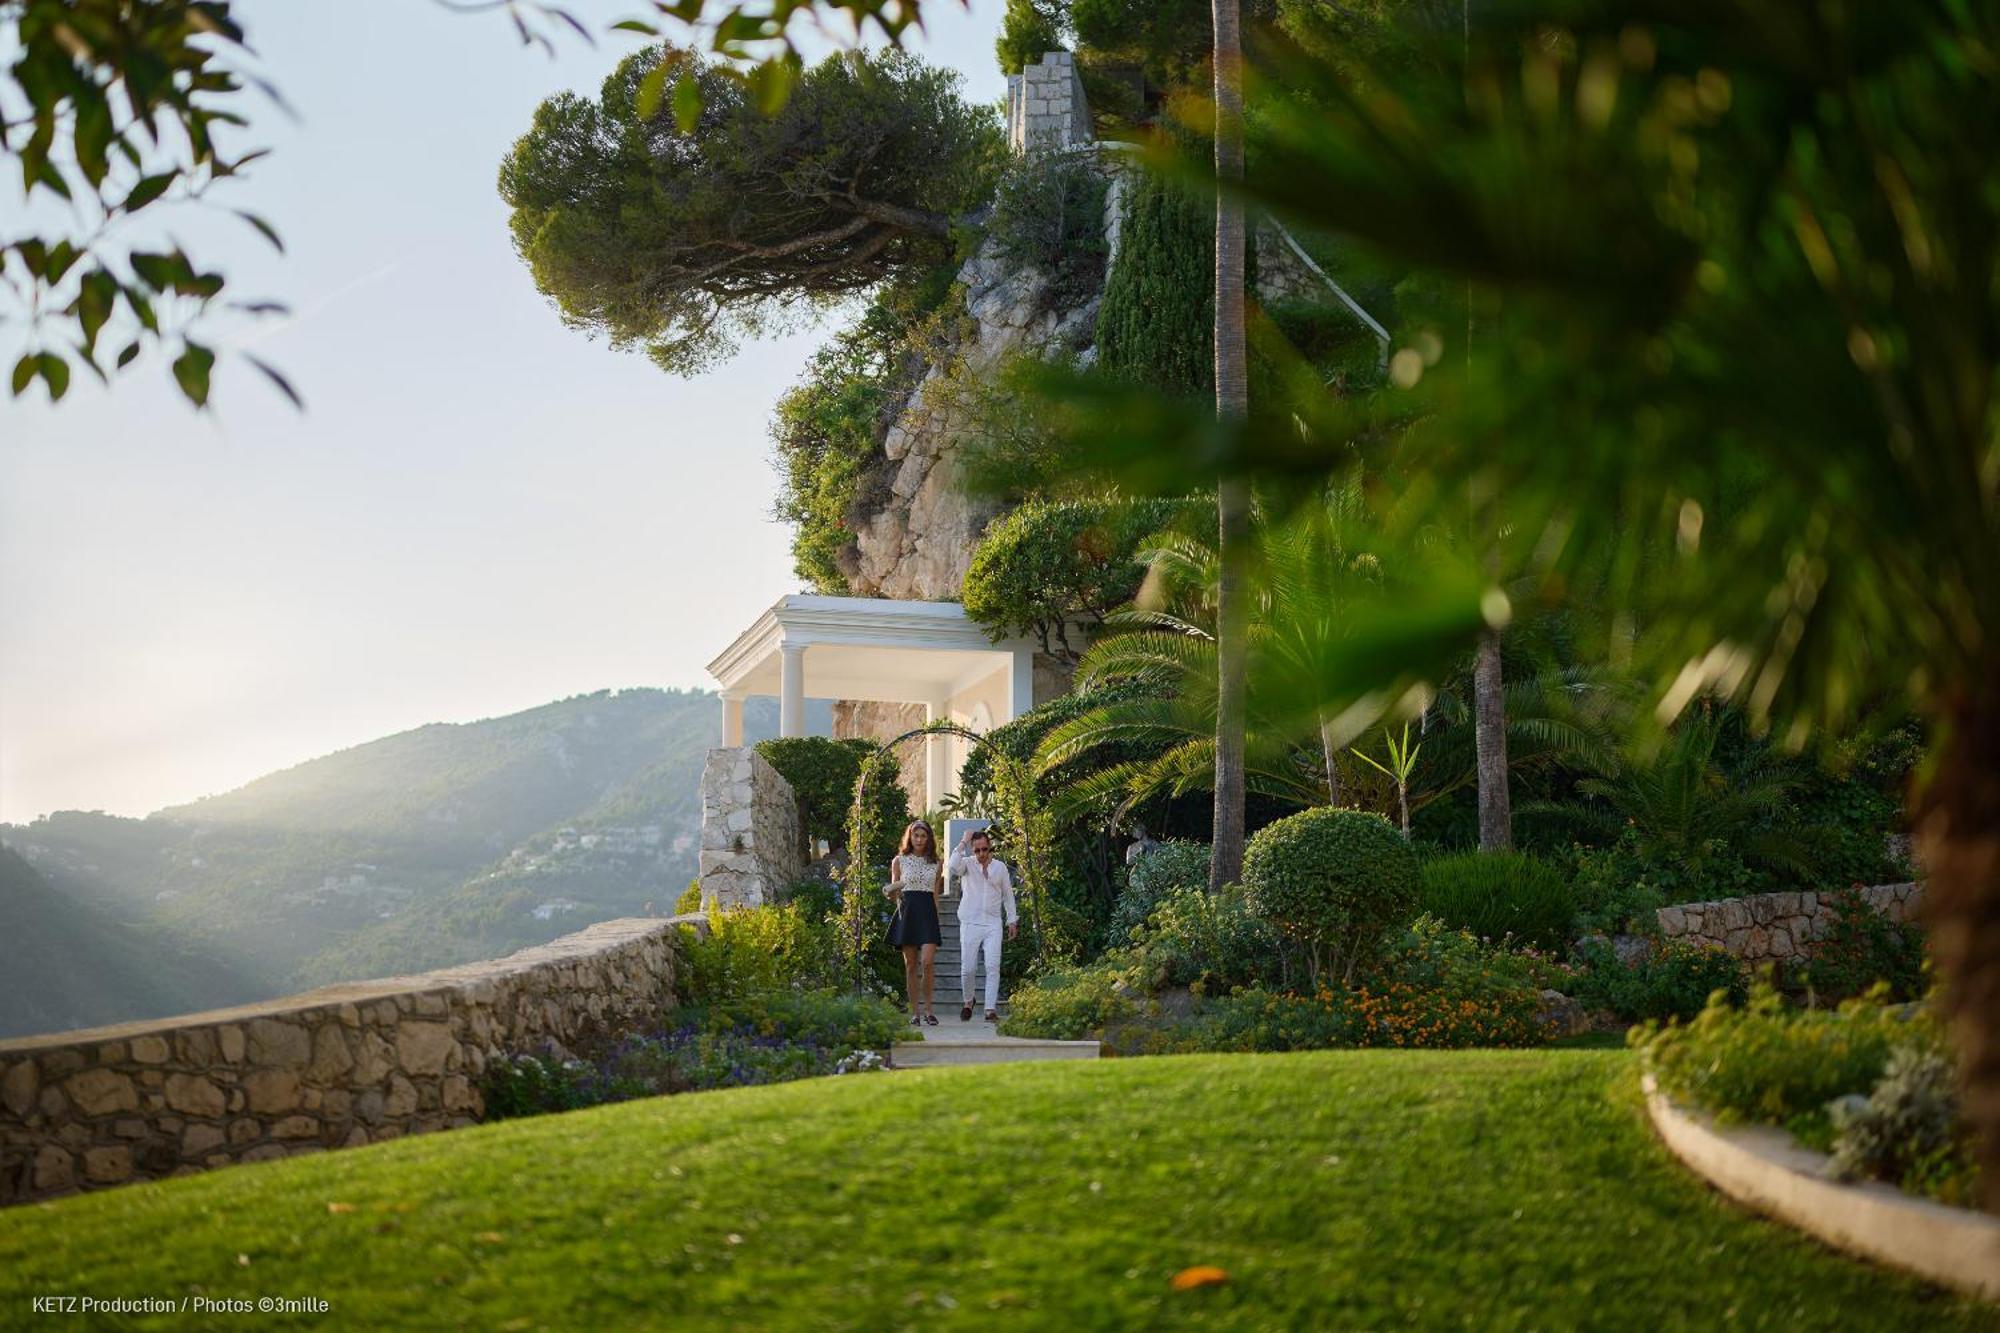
1501, 895
1333, 881
822, 774
1170, 866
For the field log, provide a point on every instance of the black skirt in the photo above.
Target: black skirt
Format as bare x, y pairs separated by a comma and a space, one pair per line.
916, 921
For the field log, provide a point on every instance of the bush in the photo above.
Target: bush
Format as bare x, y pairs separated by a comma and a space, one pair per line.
1781, 1065
1500, 895
1208, 940
754, 951
1443, 989
1170, 866
1052, 564
1908, 1129
766, 1038
1070, 1003
690, 899
1156, 325
822, 774
1048, 215
1675, 980
1860, 948
1259, 1020
1335, 881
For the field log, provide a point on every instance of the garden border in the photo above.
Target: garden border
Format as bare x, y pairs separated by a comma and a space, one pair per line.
1764, 1169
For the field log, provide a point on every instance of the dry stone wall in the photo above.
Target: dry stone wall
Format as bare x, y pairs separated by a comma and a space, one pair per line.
331, 1068
1046, 106
1777, 926
752, 846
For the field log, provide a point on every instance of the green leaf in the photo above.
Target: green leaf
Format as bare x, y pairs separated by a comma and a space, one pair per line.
270, 233
147, 190
634, 25
647, 100
95, 299
126, 357
284, 385
55, 374
61, 255
24, 372
191, 371
687, 102
156, 271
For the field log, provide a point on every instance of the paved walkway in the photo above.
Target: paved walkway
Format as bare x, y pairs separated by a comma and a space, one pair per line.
953, 1042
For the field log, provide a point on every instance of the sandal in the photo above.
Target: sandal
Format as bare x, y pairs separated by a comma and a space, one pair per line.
916, 1022
931, 1019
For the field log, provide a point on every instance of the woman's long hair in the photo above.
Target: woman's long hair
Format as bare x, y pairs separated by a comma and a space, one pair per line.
930, 850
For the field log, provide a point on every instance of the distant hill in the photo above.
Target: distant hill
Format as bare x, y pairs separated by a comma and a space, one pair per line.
434, 846
71, 965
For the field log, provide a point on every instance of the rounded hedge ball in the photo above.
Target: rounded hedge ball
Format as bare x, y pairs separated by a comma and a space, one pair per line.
1330, 877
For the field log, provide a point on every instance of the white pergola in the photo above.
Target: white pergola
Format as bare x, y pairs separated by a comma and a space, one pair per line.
880, 650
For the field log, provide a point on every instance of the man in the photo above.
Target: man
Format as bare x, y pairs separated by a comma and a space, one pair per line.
986, 900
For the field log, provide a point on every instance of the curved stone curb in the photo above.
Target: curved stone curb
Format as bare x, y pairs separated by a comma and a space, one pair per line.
1768, 1171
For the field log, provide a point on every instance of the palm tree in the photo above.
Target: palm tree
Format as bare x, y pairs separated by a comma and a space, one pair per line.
1746, 368
1232, 403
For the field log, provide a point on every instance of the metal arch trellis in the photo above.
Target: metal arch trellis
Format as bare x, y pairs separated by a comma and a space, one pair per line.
1014, 781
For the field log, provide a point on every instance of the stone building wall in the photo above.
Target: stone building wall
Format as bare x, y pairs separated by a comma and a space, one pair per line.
332, 1068
1776, 926
752, 846
1046, 107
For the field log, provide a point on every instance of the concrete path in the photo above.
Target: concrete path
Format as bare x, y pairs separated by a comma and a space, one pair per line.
953, 1042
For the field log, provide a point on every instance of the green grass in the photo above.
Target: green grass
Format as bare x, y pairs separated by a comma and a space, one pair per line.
1491, 1190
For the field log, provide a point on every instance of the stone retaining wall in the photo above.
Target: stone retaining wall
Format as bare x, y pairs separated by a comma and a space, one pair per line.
752, 846
1772, 926
331, 1068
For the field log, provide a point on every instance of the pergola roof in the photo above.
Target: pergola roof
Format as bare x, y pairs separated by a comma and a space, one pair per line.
868, 648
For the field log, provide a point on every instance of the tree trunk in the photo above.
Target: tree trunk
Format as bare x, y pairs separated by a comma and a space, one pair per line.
1489, 707
1957, 830
1329, 751
1232, 401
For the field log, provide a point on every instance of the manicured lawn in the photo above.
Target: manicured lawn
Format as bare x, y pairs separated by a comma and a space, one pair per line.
1338, 1190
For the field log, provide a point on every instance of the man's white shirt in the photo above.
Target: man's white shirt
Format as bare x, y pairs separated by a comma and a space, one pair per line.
987, 893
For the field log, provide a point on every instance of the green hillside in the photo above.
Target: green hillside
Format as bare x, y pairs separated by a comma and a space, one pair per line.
70, 964
434, 846
1358, 1189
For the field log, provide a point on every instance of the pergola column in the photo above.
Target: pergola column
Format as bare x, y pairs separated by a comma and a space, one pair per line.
792, 689
937, 755
1021, 681
732, 720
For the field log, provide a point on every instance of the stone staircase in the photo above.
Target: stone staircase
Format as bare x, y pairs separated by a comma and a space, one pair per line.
954, 1042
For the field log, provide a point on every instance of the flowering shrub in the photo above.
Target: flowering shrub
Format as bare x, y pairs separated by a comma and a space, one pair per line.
1861, 948
768, 1038
1442, 989
1675, 980
1260, 1020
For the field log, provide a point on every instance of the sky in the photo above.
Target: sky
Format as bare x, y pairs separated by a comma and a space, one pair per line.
479, 511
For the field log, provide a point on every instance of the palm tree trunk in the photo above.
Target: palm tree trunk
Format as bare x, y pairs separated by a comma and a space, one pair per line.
1957, 829
1489, 706
1232, 400
1329, 751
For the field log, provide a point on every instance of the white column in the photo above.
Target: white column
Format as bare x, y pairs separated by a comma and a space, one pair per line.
1020, 683
732, 720
792, 686
937, 756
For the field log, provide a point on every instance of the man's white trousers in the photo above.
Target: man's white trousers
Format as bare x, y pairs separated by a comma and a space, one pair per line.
973, 936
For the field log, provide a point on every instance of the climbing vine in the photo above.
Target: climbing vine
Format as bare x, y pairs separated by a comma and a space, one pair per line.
1024, 830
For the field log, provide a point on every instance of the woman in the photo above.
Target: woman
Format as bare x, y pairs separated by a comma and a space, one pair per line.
913, 881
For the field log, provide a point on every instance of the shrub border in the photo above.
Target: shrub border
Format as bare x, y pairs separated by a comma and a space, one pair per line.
1767, 1171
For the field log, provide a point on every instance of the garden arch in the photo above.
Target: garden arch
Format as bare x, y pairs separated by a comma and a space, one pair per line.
1014, 786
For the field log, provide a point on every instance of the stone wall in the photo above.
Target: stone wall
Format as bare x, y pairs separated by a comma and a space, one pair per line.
1046, 107
1775, 926
752, 846
332, 1068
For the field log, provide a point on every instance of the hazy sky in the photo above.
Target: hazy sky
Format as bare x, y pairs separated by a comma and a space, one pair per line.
480, 510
